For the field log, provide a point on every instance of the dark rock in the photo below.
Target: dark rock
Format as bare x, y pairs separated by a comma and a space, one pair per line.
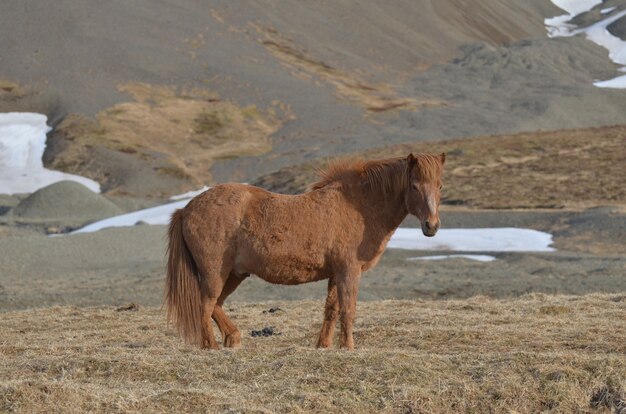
267, 331
133, 307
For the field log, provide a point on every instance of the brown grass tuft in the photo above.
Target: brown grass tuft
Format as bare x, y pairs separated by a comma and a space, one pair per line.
11, 90
476, 355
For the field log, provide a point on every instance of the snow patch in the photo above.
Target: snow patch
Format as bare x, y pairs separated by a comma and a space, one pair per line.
507, 239
576, 7
619, 83
560, 26
154, 215
190, 194
599, 34
22, 143
477, 257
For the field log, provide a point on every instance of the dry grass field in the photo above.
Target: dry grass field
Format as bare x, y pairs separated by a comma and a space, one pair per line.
536, 353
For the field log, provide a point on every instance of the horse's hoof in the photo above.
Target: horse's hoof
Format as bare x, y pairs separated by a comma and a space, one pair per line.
324, 344
210, 346
233, 340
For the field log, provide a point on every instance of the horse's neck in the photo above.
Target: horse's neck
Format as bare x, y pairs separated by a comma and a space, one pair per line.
384, 211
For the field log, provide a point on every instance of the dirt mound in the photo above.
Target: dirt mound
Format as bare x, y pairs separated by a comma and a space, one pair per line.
67, 202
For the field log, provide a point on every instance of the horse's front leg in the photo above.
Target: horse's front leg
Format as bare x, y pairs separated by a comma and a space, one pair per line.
331, 311
347, 289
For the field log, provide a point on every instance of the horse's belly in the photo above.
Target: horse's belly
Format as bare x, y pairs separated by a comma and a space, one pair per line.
283, 270
290, 277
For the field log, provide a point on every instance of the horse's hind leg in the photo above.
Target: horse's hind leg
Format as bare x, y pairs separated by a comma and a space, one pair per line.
211, 287
331, 312
230, 334
208, 337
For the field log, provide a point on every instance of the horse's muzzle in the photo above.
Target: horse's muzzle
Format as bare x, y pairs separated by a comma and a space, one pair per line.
429, 229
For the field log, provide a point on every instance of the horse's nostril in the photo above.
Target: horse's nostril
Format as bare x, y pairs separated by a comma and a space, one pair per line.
430, 227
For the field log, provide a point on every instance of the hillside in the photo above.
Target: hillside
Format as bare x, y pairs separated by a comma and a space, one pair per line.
80, 52
157, 98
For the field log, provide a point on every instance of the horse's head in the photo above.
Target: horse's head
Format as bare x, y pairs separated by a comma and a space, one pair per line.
424, 193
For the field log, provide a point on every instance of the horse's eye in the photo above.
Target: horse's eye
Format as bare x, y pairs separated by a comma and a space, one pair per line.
414, 187
440, 187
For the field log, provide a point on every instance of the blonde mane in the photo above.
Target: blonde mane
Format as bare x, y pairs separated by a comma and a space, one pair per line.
389, 175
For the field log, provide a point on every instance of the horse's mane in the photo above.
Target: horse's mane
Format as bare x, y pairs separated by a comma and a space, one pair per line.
389, 175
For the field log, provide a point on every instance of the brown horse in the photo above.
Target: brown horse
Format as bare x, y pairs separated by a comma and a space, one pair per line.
335, 231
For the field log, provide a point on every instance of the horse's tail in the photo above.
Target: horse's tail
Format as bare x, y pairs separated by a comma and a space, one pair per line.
182, 288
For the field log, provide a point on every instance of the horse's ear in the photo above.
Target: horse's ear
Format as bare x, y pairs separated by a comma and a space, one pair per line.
411, 160
442, 157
